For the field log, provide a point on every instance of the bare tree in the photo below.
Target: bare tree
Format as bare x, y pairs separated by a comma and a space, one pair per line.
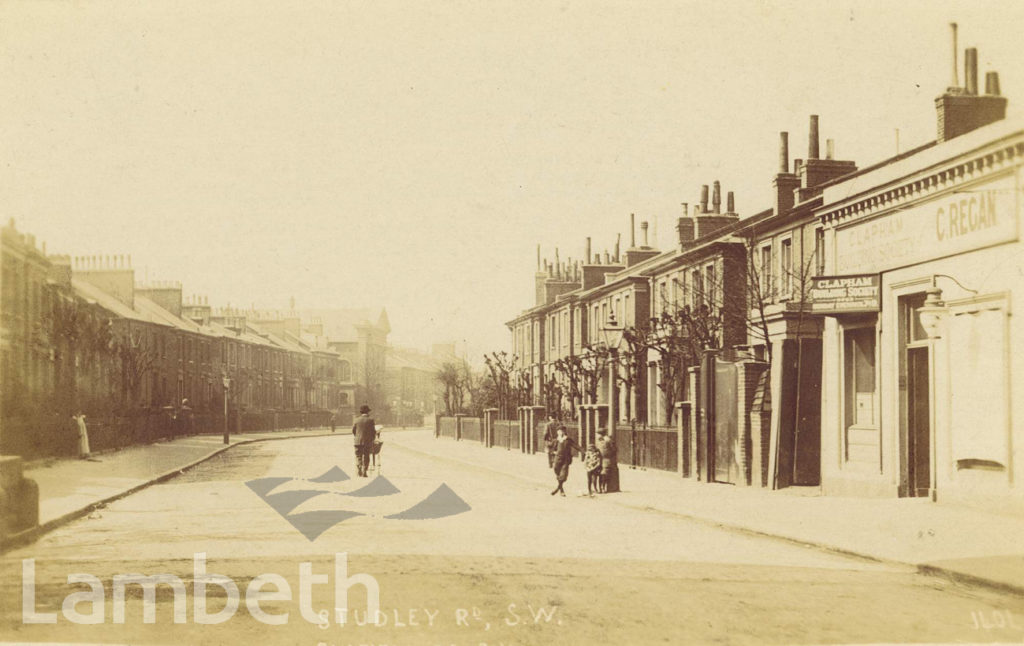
592, 366
501, 366
679, 337
452, 379
569, 370
631, 361
137, 360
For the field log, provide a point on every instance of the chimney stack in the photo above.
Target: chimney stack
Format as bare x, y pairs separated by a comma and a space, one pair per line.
730, 202
971, 71
704, 198
830, 149
961, 110
716, 197
812, 142
783, 152
643, 230
685, 228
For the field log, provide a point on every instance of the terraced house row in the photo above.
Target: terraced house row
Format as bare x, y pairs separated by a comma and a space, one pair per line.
856, 333
82, 336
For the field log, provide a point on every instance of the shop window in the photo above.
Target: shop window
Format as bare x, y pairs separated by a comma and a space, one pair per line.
860, 362
979, 406
859, 359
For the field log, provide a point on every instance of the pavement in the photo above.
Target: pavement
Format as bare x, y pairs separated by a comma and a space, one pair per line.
961, 543
71, 488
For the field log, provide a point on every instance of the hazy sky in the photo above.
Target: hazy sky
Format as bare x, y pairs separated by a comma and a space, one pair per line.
412, 154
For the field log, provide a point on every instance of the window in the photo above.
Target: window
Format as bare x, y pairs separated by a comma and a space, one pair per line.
697, 287
819, 251
787, 267
627, 315
710, 285
766, 272
860, 377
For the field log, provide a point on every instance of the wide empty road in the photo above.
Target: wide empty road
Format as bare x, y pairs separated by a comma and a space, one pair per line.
512, 565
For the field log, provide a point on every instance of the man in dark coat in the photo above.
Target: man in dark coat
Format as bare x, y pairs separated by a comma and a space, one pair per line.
563, 458
365, 432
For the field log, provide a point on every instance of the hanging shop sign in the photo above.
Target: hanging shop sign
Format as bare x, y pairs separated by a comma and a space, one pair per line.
846, 294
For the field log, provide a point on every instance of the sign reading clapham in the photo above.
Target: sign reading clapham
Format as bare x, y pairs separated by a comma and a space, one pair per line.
843, 294
969, 218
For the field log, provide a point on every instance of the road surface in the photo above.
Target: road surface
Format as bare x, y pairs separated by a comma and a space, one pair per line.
519, 566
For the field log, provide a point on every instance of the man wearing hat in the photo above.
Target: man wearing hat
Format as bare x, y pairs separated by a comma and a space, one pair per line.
365, 432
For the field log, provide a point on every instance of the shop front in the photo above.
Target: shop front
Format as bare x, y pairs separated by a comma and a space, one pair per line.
921, 384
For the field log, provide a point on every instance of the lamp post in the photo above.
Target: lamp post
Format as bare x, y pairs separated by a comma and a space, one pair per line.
226, 380
612, 332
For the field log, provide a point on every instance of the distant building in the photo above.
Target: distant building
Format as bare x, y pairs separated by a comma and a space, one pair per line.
412, 384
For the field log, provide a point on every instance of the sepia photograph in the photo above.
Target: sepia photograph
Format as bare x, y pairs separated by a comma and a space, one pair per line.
456, 323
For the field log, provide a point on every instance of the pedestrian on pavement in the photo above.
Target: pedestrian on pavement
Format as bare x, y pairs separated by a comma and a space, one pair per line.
83, 436
609, 462
334, 421
563, 457
551, 439
364, 432
592, 463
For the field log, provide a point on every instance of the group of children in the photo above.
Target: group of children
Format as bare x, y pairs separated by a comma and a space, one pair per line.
599, 459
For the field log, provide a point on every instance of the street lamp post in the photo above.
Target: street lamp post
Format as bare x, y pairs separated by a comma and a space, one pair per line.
613, 337
227, 384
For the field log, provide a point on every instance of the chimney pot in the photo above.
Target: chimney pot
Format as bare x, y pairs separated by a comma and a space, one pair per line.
588, 250
797, 164
643, 231
830, 149
686, 209
812, 143
992, 83
632, 230
783, 152
704, 198
716, 197
971, 70
956, 81
730, 202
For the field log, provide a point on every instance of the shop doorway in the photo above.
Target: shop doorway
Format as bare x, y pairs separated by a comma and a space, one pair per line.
915, 402
918, 423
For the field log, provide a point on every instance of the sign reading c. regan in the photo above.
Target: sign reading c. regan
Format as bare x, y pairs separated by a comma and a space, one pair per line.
846, 294
957, 222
